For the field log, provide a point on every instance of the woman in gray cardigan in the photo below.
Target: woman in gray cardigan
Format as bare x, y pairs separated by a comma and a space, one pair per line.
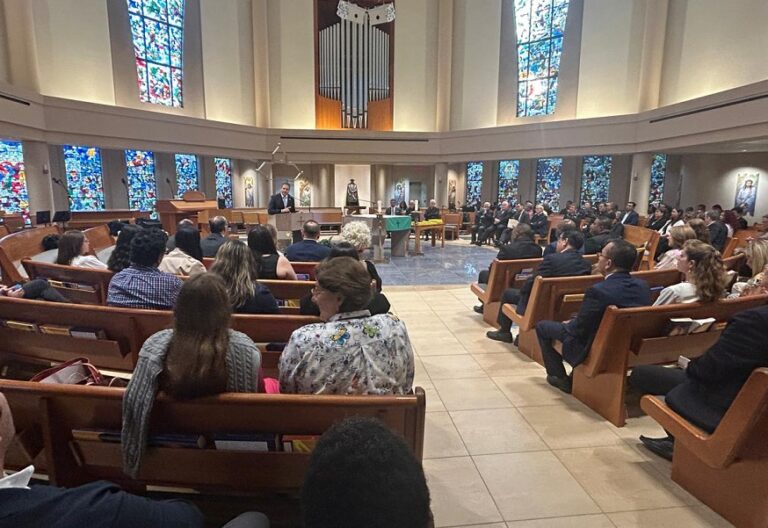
200, 356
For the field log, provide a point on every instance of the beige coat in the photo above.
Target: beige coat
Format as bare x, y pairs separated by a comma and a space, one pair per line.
179, 263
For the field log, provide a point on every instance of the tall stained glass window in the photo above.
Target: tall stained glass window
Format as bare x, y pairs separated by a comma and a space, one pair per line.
186, 174
658, 173
540, 28
595, 178
509, 174
474, 181
13, 179
157, 28
142, 185
548, 174
85, 183
224, 180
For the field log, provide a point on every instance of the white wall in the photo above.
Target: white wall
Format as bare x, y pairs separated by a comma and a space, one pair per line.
712, 46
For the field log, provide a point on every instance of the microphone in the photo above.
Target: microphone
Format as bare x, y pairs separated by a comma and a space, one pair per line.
168, 181
125, 183
58, 181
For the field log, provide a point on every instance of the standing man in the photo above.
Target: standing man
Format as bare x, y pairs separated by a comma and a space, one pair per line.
283, 202
630, 217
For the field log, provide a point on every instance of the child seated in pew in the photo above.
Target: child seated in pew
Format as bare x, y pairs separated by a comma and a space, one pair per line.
73, 251
235, 264
703, 272
200, 356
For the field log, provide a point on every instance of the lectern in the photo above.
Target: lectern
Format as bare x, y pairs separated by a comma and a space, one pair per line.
173, 211
290, 221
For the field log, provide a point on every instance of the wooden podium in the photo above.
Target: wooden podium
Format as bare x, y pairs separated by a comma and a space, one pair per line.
190, 206
290, 221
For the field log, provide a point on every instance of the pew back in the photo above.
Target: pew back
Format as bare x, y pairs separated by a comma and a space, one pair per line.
503, 274
83, 285
19, 245
645, 238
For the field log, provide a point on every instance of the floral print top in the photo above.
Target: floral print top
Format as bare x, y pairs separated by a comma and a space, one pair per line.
353, 353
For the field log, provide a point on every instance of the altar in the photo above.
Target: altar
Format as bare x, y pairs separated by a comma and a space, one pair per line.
399, 228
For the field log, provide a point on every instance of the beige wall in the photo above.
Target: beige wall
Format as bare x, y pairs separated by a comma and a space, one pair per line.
362, 176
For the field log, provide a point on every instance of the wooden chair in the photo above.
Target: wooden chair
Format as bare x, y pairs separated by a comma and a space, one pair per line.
82, 285
466, 227
17, 246
503, 274
645, 238
452, 225
74, 458
638, 336
728, 469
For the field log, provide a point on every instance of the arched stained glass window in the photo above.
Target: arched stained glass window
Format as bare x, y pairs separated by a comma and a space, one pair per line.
549, 172
224, 180
540, 26
85, 183
186, 174
509, 174
13, 179
595, 178
658, 173
474, 181
142, 186
157, 29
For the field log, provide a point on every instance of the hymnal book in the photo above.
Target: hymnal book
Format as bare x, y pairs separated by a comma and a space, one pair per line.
686, 325
21, 325
524, 274
155, 440
258, 442
84, 332
299, 443
54, 329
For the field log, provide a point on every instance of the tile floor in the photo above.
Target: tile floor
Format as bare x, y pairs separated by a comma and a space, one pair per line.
505, 450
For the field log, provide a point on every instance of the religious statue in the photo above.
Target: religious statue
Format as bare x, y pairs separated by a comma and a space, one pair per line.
452, 195
249, 202
352, 198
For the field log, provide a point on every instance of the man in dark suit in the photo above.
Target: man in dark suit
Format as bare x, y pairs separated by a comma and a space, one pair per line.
393, 209
500, 219
562, 227
703, 392
599, 235
211, 244
630, 217
619, 288
565, 263
282, 202
483, 220
718, 233
308, 249
432, 212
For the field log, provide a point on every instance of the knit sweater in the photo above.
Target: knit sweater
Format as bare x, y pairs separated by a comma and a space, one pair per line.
243, 364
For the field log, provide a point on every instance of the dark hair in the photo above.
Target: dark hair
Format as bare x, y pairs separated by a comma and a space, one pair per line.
261, 243
361, 474
344, 249
521, 231
739, 210
217, 224
188, 240
564, 227
604, 223
713, 215
147, 246
574, 238
70, 246
311, 229
347, 278
121, 255
50, 242
622, 253
195, 364
633, 204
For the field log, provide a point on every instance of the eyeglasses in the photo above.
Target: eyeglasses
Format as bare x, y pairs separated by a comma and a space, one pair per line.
317, 290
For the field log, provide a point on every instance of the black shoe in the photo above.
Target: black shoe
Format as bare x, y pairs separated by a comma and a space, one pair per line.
504, 337
664, 447
478, 309
564, 384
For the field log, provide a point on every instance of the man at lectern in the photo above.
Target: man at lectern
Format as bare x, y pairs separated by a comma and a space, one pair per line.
282, 202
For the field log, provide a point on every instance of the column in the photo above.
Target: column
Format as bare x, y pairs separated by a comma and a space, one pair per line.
440, 191
640, 182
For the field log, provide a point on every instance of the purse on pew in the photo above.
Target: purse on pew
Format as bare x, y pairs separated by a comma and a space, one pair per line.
76, 371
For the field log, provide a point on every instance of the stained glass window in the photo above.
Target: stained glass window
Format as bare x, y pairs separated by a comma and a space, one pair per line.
85, 183
142, 186
509, 173
224, 180
474, 181
548, 174
157, 29
658, 173
13, 180
595, 178
540, 28
186, 174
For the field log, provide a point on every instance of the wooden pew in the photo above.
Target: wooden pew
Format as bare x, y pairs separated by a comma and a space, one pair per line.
99, 237
17, 246
3, 230
728, 469
503, 274
740, 239
81, 285
305, 268
74, 460
559, 299
645, 238
87, 219
638, 336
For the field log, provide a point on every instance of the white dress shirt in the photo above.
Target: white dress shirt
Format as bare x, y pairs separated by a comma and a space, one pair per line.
20, 479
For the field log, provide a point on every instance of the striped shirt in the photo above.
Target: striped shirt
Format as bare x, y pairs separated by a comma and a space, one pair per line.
144, 287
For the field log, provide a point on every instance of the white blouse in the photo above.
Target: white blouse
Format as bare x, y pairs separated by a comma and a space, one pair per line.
88, 261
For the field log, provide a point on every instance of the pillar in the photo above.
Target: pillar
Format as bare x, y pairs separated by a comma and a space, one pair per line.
640, 182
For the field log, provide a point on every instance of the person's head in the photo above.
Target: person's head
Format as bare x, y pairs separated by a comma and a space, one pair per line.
51, 242
617, 256
72, 244
486, 205
432, 203
658, 214
185, 222
235, 264
703, 267
148, 247
738, 211
712, 216
602, 207
680, 235
217, 225
272, 231
701, 208
700, 228
358, 234
757, 255
343, 285
571, 209
522, 232
344, 249
601, 225
195, 364
284, 188
260, 241
528, 207
504, 205
674, 214
362, 474
565, 225
121, 255
764, 225
718, 208
587, 204
403, 205
539, 208
311, 230
393, 203
572, 239
630, 206
188, 240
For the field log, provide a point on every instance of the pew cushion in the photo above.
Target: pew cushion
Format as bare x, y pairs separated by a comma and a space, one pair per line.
46, 256
104, 253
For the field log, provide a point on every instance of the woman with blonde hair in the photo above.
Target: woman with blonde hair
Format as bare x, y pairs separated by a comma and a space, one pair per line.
677, 237
700, 228
235, 264
757, 260
704, 276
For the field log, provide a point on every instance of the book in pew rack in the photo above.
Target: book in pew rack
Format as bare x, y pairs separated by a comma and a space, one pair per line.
686, 325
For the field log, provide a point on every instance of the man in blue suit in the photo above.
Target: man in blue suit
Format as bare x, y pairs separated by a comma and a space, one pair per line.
630, 216
619, 288
308, 250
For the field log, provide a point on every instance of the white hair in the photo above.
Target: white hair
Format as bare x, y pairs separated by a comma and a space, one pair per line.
357, 233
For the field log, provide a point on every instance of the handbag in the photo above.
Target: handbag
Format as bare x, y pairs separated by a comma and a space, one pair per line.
77, 371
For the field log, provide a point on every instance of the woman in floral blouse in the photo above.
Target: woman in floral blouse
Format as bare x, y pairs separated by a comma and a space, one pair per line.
351, 352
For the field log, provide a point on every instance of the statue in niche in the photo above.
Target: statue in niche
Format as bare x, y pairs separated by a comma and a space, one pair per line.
452, 195
249, 192
352, 197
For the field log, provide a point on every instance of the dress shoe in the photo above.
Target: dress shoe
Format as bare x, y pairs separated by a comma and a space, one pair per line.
664, 447
504, 337
564, 384
478, 309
